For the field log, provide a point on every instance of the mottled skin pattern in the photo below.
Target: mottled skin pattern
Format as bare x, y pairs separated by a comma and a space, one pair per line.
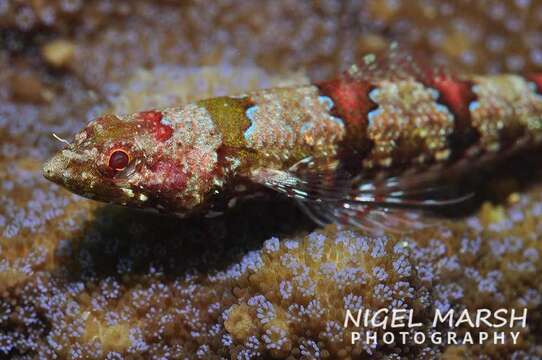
416, 121
407, 117
155, 174
193, 158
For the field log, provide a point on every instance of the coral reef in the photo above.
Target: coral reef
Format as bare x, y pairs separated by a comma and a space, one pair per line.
83, 280
492, 36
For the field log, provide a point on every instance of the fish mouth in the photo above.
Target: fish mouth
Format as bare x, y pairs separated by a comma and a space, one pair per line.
54, 168
62, 170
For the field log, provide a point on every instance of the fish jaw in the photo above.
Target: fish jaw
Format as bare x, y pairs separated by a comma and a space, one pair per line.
53, 169
73, 172
63, 169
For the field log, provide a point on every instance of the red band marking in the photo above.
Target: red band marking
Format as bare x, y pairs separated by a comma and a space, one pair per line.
172, 174
455, 94
152, 119
537, 80
351, 100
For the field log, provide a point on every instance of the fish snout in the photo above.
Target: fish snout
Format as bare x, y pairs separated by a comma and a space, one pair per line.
53, 169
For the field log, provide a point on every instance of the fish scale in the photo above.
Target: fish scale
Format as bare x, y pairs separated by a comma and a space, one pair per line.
369, 148
418, 126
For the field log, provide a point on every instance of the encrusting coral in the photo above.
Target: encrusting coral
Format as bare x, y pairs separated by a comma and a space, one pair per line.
82, 280
130, 283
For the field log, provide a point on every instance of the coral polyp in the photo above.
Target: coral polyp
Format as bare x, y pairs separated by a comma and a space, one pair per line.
80, 280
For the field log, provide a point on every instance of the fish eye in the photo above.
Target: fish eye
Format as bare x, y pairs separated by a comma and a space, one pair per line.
118, 160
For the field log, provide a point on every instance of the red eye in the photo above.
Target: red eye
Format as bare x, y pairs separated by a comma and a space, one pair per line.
118, 160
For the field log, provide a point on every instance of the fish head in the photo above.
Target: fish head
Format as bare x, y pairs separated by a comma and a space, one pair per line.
166, 160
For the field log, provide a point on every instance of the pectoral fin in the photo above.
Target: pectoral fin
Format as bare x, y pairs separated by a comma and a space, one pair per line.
328, 194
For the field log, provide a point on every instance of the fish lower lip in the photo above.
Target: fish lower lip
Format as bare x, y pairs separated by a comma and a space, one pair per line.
54, 168
49, 172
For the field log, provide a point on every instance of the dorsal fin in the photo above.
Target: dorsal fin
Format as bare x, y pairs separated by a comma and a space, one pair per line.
395, 63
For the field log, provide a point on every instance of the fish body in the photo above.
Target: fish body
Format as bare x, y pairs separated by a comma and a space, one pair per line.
351, 149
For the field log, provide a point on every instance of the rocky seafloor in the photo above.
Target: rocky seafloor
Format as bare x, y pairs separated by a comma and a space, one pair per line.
82, 280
